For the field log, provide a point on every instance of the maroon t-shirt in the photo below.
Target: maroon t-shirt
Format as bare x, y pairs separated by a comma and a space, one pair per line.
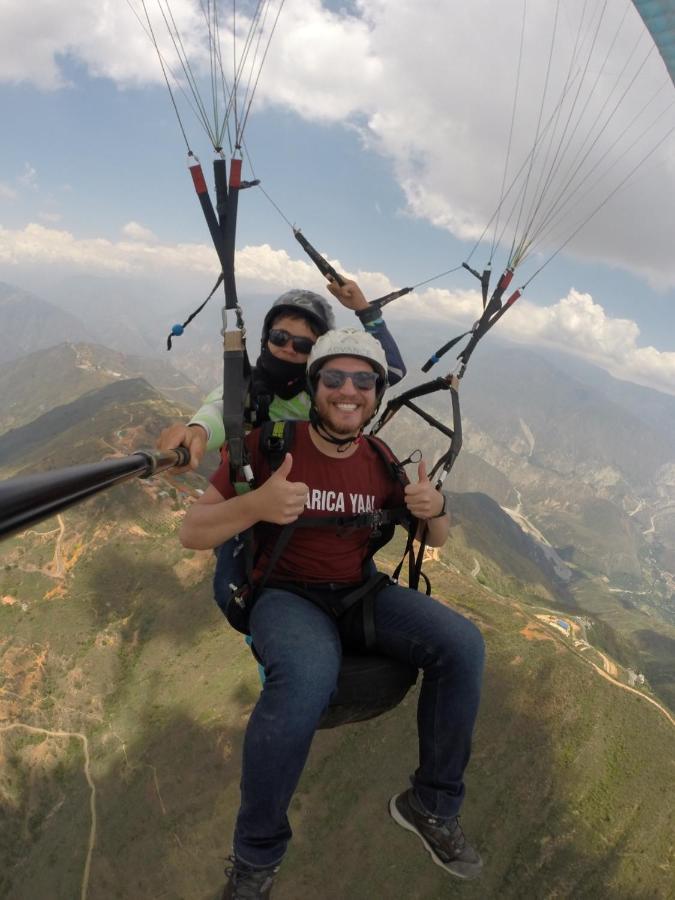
337, 487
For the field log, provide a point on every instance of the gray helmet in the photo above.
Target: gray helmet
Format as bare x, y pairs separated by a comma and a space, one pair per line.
312, 306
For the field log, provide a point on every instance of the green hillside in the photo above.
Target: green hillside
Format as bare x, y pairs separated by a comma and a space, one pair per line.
124, 698
565, 791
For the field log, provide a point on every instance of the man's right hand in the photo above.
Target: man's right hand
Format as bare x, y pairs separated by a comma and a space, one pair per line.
193, 437
281, 501
349, 294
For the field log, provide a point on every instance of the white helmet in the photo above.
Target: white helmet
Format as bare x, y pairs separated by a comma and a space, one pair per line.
344, 342
348, 342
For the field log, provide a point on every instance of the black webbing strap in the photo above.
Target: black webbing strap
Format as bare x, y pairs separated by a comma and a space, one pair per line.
336, 600
438, 474
374, 520
445, 462
443, 465
368, 616
405, 398
212, 222
227, 202
484, 278
433, 359
236, 367
493, 310
235, 391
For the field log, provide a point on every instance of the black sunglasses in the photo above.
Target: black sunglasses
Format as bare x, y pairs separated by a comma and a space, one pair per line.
280, 338
335, 378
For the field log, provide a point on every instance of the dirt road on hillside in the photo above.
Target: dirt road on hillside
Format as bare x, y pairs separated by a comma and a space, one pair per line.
87, 774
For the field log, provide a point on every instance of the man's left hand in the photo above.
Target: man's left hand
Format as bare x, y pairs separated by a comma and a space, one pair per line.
422, 499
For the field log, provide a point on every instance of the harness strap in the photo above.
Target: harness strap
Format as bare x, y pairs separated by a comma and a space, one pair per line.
333, 600
275, 440
369, 634
375, 520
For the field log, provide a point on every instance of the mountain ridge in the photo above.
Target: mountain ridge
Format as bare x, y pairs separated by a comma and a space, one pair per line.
39, 381
30, 323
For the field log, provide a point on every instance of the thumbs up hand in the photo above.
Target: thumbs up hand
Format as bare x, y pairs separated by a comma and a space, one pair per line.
281, 501
422, 499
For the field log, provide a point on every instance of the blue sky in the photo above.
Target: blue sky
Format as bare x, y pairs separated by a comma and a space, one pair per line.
387, 151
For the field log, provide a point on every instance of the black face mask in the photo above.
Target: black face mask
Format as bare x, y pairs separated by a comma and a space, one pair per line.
283, 378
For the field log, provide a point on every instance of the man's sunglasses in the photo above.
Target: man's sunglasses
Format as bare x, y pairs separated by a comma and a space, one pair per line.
335, 378
280, 338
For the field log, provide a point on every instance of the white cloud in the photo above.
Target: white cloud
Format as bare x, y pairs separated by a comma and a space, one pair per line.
430, 86
459, 308
439, 107
39, 245
257, 267
136, 232
103, 36
575, 323
579, 325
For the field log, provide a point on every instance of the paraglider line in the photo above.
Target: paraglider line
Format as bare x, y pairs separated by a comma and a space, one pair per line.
600, 205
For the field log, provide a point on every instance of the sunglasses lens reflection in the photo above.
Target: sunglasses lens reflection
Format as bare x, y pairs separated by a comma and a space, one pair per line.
335, 378
280, 338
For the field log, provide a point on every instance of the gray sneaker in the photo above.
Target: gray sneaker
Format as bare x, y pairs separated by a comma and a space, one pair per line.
445, 841
247, 883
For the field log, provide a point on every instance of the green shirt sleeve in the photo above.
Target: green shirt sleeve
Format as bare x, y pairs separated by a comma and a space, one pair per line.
210, 414
210, 417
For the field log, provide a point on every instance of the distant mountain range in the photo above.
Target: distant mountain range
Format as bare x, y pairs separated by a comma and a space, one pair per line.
38, 382
30, 323
128, 316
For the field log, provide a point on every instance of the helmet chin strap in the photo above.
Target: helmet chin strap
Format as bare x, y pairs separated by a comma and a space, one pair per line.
341, 443
317, 424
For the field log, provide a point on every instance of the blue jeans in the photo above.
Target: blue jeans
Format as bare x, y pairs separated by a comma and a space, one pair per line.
301, 649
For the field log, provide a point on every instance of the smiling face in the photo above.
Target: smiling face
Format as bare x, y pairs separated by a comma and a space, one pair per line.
346, 409
295, 326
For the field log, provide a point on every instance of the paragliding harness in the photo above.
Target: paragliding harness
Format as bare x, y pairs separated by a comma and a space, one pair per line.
337, 600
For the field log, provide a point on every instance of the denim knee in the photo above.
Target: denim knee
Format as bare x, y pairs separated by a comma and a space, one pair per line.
461, 646
303, 687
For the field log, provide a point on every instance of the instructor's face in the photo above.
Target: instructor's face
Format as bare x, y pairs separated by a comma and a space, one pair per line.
291, 327
344, 410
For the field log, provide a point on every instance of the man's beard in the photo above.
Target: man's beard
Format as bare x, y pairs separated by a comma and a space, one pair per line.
342, 429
